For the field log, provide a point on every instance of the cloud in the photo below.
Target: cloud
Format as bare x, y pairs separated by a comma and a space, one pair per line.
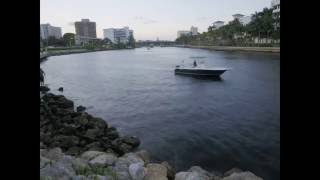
144, 20
202, 19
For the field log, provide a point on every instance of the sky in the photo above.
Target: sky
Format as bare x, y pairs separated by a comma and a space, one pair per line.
149, 19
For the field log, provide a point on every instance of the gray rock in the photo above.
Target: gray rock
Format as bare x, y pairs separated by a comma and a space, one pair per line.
88, 155
73, 150
144, 155
79, 177
93, 133
156, 172
42, 146
81, 120
66, 141
103, 160
79, 164
44, 161
99, 177
242, 176
112, 135
81, 108
122, 164
231, 171
53, 154
170, 170
137, 171
203, 174
94, 146
62, 169
182, 175
131, 158
132, 141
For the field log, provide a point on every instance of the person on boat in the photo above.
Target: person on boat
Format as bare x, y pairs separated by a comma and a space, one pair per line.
194, 63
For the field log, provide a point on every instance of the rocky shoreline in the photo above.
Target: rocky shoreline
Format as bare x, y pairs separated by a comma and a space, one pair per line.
76, 145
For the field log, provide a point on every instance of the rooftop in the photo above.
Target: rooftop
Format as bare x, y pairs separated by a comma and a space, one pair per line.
238, 15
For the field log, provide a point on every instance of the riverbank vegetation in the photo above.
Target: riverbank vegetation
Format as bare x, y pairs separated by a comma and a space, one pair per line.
261, 31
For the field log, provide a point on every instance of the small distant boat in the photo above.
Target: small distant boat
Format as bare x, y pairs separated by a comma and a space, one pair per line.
200, 70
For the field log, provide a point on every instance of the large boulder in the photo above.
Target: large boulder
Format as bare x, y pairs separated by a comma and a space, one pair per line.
242, 176
112, 134
94, 146
65, 142
231, 171
79, 164
132, 141
121, 167
89, 155
61, 169
170, 170
93, 133
156, 172
194, 173
205, 175
103, 160
54, 154
82, 120
137, 171
144, 155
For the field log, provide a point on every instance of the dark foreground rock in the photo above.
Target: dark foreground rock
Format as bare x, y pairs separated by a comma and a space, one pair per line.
77, 132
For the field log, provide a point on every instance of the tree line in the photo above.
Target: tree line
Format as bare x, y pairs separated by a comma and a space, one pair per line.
236, 34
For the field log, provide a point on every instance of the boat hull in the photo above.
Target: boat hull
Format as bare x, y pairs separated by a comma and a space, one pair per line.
200, 72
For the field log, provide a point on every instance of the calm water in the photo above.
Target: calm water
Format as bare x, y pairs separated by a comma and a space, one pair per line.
218, 125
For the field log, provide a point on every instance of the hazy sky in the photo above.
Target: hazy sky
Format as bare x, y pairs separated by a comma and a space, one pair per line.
148, 19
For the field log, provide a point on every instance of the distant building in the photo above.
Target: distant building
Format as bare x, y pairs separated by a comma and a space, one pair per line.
275, 5
244, 20
118, 35
194, 31
83, 40
183, 33
85, 28
46, 30
218, 24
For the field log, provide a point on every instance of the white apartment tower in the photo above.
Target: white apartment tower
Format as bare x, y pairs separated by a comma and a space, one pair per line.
46, 30
194, 31
118, 35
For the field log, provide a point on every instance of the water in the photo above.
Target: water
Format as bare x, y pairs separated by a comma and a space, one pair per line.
218, 125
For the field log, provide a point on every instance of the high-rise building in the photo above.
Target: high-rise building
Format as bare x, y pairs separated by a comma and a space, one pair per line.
85, 28
275, 5
194, 31
46, 30
118, 35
